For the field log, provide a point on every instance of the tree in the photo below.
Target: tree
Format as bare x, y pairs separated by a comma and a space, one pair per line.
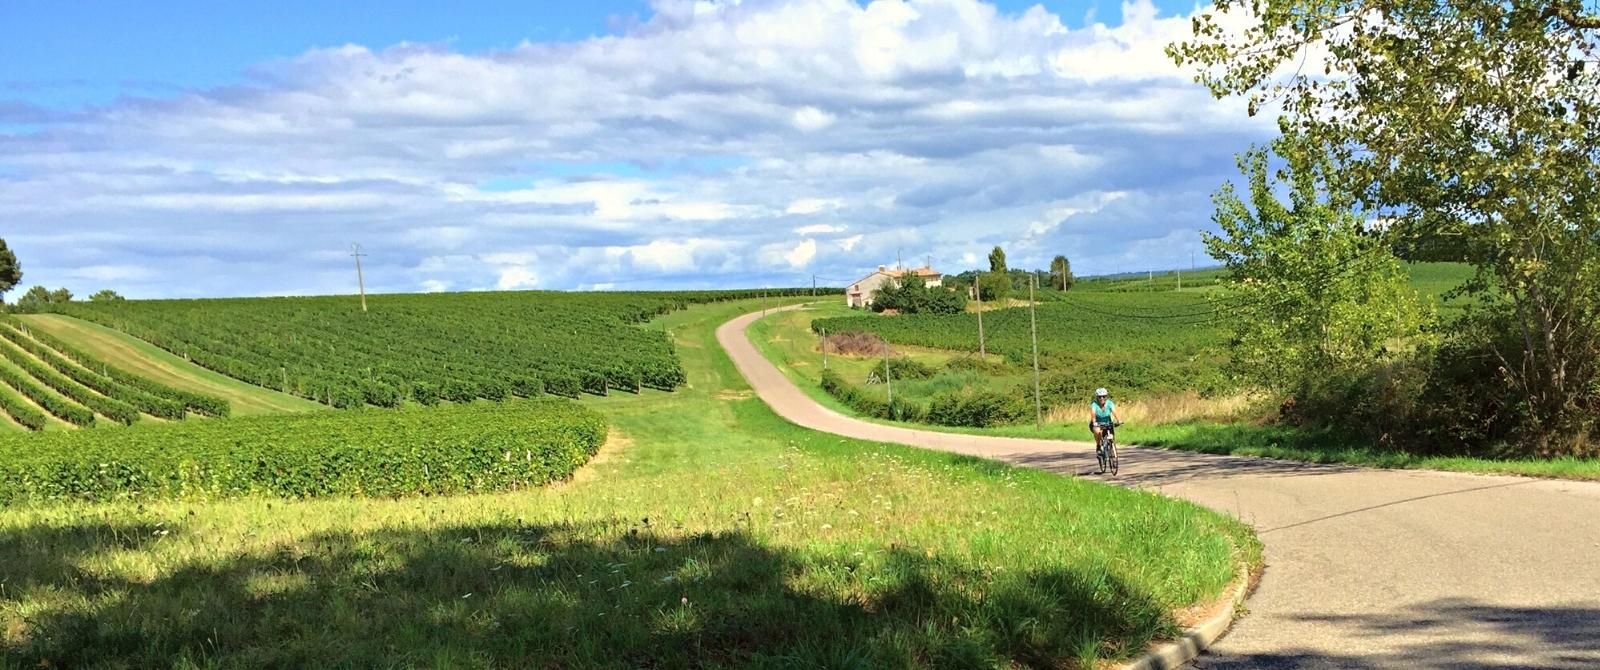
1470, 121
105, 295
1313, 300
911, 295
994, 286
1061, 273
997, 260
61, 296
10, 270
36, 299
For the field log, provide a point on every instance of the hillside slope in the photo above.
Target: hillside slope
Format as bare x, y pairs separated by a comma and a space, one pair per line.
143, 358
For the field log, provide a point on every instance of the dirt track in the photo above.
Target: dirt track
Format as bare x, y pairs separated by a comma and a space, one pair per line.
1366, 568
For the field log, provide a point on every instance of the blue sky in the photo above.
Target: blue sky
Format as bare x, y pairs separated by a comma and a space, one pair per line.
607, 142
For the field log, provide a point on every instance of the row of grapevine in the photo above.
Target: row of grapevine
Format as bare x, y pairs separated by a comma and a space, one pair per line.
110, 408
19, 410
139, 400
56, 405
422, 348
151, 397
457, 449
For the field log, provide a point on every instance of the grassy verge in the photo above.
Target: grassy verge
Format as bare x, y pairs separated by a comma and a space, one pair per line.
780, 338
1327, 447
142, 358
710, 534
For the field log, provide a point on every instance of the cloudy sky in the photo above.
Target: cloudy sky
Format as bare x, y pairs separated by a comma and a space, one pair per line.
196, 151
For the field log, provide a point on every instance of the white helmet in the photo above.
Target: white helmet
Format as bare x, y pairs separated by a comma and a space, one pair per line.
1100, 393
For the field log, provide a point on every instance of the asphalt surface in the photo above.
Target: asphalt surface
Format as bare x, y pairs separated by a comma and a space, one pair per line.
1365, 568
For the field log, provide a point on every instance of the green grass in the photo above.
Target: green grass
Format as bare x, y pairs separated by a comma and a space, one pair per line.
142, 358
1328, 447
711, 534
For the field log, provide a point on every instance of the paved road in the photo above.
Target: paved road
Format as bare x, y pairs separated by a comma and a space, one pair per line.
1365, 568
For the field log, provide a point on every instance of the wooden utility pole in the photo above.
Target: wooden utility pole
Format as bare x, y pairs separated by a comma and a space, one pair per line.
1033, 327
977, 290
888, 377
361, 280
1180, 280
824, 348
813, 285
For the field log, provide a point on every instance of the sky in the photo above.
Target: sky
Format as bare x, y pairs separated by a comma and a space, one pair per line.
197, 149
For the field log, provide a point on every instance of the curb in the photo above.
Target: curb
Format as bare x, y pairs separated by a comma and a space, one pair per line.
1173, 654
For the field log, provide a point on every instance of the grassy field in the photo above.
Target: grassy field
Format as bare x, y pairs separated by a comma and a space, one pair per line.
142, 358
709, 533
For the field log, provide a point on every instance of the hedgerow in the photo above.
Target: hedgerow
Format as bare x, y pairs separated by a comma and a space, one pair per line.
461, 448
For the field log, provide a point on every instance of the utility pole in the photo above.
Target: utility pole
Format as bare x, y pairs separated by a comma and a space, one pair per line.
1180, 280
888, 377
361, 280
824, 348
977, 290
1033, 327
813, 285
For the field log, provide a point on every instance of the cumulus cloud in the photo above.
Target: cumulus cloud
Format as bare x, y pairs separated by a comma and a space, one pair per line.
679, 153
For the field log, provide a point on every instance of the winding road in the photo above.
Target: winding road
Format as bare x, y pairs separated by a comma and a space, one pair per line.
1365, 568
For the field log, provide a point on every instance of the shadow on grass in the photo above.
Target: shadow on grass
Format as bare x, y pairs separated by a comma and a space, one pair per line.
1446, 634
593, 596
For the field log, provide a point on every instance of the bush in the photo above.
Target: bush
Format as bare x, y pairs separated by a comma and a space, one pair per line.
902, 368
361, 453
868, 405
976, 408
975, 364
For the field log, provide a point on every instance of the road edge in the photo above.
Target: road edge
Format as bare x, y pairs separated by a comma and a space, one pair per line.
1197, 639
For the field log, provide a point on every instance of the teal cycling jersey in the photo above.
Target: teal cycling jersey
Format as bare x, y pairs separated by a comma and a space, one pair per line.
1102, 414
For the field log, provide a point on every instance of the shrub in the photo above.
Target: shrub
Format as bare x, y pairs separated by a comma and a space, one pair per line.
867, 405
416, 451
975, 364
458, 391
902, 368
976, 408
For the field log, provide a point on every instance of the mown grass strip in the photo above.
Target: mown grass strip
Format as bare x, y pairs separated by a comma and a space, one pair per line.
202, 403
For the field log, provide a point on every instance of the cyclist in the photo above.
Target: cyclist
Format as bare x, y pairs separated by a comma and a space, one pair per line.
1102, 415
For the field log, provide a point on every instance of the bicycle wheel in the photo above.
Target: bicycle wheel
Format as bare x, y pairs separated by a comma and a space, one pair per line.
1111, 449
1100, 455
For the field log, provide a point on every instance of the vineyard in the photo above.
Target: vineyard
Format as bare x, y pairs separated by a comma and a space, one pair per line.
462, 448
45, 381
421, 348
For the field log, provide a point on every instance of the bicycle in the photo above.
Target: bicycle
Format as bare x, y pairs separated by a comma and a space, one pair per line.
1106, 451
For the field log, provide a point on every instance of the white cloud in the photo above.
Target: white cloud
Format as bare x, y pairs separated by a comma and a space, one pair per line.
802, 253
517, 277
435, 286
810, 119
819, 229
811, 205
681, 150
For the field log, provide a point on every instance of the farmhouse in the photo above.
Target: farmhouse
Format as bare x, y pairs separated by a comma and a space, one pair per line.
860, 293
